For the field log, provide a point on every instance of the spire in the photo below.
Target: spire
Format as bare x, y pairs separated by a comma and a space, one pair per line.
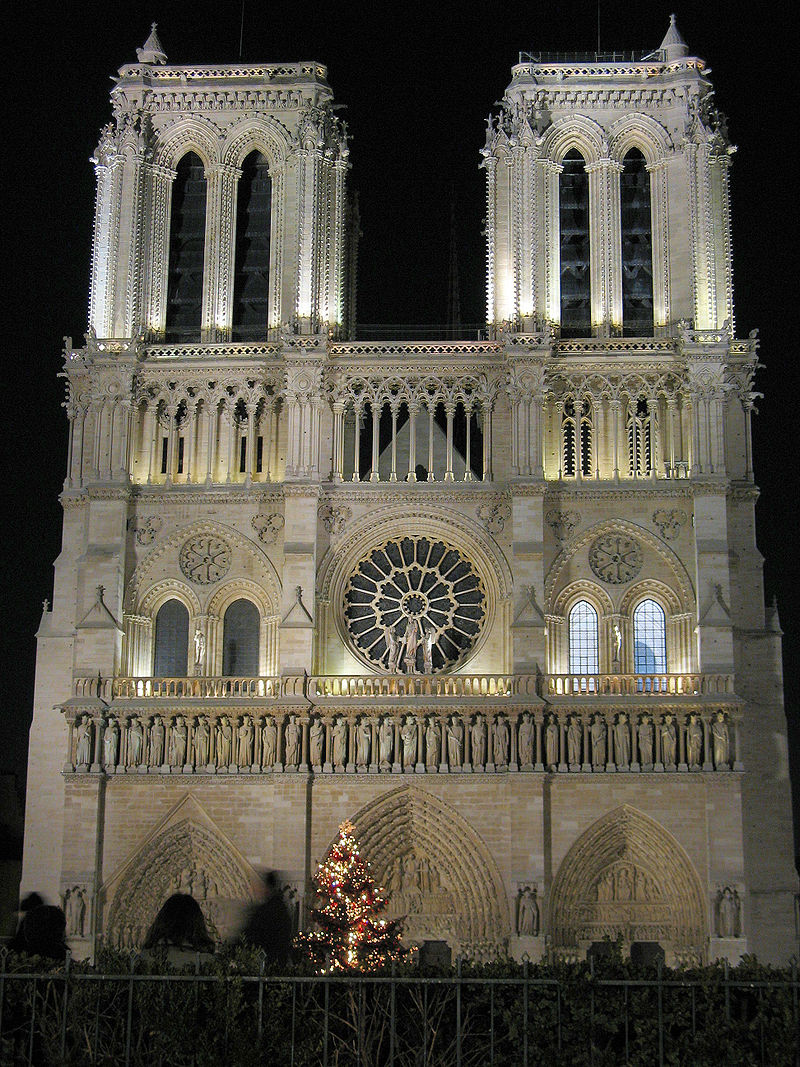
673, 46
773, 622
153, 51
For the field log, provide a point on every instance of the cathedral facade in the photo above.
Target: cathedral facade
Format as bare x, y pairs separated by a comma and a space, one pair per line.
498, 602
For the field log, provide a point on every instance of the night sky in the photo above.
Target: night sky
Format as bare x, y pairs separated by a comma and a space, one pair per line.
418, 80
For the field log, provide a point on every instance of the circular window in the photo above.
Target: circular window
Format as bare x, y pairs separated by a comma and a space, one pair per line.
615, 558
414, 606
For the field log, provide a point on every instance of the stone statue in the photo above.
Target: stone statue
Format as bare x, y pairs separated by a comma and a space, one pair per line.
156, 742
75, 911
455, 741
292, 742
199, 648
412, 643
269, 742
340, 742
721, 740
224, 738
392, 649
551, 742
200, 742
363, 743
668, 739
244, 756
478, 738
694, 741
574, 742
645, 735
622, 741
617, 642
501, 738
317, 738
386, 738
432, 738
526, 740
134, 742
527, 912
111, 743
408, 735
598, 741
83, 749
728, 909
427, 650
177, 743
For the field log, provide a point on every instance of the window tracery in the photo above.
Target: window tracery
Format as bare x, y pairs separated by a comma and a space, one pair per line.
577, 438
649, 638
171, 643
584, 645
574, 272
641, 433
637, 247
186, 250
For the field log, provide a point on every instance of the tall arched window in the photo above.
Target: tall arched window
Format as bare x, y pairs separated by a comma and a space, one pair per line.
186, 248
584, 646
649, 638
637, 247
171, 641
240, 633
573, 193
641, 437
577, 438
251, 270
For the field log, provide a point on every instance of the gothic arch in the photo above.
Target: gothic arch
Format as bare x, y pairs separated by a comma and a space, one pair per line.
642, 132
189, 855
169, 589
195, 134
470, 908
627, 875
657, 591
256, 134
583, 590
579, 132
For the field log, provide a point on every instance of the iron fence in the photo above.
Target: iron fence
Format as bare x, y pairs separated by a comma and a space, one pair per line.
215, 1013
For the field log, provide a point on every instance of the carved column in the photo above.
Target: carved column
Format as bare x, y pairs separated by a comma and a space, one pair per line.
221, 201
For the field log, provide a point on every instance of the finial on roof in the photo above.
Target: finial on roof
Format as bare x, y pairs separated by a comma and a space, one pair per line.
153, 51
673, 46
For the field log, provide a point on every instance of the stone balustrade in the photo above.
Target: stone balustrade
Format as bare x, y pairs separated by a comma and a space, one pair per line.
636, 684
467, 741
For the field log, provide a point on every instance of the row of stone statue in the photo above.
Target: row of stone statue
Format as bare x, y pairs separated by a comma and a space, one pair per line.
443, 743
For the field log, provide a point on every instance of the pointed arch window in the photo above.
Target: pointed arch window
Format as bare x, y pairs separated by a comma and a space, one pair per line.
641, 429
240, 639
577, 438
171, 646
584, 645
573, 213
637, 247
251, 267
649, 638
186, 250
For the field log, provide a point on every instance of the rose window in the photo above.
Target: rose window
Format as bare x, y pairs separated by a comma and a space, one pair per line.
414, 606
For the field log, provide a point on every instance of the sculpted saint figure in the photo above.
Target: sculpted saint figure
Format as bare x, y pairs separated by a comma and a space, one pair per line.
551, 741
455, 741
317, 736
199, 648
478, 738
83, 750
574, 742
427, 651
292, 742
501, 738
386, 738
721, 740
694, 741
668, 739
412, 643
224, 738
244, 734
646, 741
526, 740
392, 650
622, 741
728, 913
408, 736
177, 743
269, 742
339, 742
363, 738
527, 913
200, 742
598, 741
134, 742
111, 743
156, 742
432, 737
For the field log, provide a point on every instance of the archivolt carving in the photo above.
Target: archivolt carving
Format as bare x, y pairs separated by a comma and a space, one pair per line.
169, 589
188, 858
639, 131
583, 590
193, 134
448, 883
259, 133
651, 588
626, 875
683, 584
579, 132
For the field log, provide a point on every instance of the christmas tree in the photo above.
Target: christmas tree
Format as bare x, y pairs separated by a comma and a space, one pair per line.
350, 935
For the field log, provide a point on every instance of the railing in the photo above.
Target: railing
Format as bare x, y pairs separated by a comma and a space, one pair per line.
107, 689
514, 1016
416, 685
582, 685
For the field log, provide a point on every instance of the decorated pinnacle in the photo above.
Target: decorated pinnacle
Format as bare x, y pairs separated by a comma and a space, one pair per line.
153, 51
673, 44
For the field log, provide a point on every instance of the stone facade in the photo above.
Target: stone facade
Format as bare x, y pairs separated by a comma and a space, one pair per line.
497, 602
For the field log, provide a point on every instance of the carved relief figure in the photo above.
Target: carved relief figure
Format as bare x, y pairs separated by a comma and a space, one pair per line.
622, 741
526, 740
317, 736
427, 651
292, 740
244, 756
455, 741
177, 743
364, 738
111, 743
598, 741
200, 742
728, 913
721, 740
501, 739
432, 737
408, 736
574, 742
199, 650
224, 738
527, 912
339, 742
551, 742
156, 742
668, 739
386, 735
412, 643
75, 911
83, 750
478, 738
269, 742
134, 742
645, 735
392, 649
694, 741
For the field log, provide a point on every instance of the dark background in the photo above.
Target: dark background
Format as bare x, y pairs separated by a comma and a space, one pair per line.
418, 80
